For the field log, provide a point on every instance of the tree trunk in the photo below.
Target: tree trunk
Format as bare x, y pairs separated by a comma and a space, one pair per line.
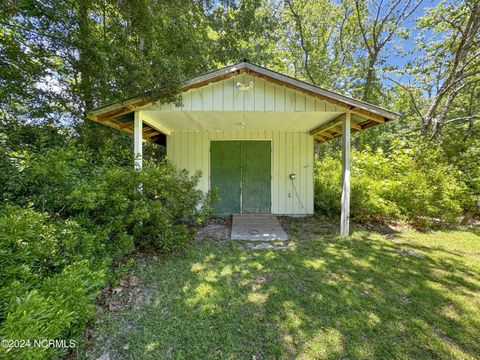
369, 77
455, 80
85, 56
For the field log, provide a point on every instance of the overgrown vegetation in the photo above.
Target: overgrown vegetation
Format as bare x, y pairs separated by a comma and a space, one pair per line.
401, 184
67, 217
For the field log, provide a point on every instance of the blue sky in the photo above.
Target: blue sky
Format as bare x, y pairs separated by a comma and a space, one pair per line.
408, 45
395, 58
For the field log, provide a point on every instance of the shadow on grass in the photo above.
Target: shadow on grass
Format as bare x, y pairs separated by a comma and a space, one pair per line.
327, 298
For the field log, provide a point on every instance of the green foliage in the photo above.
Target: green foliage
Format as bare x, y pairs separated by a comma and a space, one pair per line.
157, 216
403, 184
76, 213
48, 178
50, 275
464, 151
58, 308
33, 247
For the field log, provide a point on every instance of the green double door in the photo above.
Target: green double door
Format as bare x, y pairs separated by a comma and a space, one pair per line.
241, 172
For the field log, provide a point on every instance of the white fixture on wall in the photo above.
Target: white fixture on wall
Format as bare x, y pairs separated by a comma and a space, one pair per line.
241, 124
244, 87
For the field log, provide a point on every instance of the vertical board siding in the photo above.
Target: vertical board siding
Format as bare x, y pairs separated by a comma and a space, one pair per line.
207, 95
187, 100
289, 154
183, 163
238, 96
197, 99
265, 96
269, 95
279, 98
249, 96
290, 100
292, 152
282, 181
217, 89
296, 170
228, 91
259, 89
300, 100
309, 103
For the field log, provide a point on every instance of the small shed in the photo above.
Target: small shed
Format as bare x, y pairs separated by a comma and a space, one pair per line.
251, 132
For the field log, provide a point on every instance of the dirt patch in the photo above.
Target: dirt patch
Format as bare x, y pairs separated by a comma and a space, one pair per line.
473, 222
408, 252
307, 227
127, 294
215, 229
387, 230
257, 284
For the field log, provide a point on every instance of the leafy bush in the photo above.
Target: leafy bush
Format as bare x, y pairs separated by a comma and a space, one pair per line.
151, 208
104, 198
404, 184
76, 217
33, 248
58, 308
51, 273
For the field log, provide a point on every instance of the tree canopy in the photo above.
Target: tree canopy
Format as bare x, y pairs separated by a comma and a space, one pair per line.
60, 59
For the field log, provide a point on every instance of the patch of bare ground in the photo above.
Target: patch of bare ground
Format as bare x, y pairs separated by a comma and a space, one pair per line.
215, 229
387, 230
303, 228
127, 293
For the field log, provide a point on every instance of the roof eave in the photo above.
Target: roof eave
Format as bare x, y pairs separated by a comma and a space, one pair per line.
131, 104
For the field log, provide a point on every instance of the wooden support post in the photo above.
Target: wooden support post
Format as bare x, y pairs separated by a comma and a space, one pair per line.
345, 216
137, 141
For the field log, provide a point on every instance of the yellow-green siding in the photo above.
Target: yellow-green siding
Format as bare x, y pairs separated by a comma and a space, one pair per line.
292, 152
264, 97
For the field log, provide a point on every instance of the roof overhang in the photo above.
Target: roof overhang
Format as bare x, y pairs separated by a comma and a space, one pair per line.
120, 114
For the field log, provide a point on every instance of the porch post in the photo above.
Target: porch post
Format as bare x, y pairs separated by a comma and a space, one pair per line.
137, 140
345, 216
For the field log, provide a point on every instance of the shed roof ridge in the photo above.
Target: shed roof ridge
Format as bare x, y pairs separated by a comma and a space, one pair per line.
230, 70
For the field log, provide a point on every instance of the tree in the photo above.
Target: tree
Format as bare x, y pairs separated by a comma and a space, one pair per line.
379, 23
33, 70
447, 68
319, 36
240, 29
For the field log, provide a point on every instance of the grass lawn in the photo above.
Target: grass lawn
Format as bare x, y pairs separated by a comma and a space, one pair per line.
408, 295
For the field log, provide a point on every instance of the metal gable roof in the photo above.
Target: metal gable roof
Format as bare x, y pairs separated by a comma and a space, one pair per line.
115, 114
286, 80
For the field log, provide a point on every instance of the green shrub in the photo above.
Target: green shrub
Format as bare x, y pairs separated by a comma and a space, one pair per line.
328, 190
77, 215
104, 199
50, 275
33, 248
403, 184
158, 216
58, 308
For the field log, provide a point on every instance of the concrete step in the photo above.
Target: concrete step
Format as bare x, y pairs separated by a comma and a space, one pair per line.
257, 227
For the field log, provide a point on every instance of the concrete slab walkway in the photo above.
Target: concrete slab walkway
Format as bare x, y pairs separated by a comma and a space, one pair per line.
257, 227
